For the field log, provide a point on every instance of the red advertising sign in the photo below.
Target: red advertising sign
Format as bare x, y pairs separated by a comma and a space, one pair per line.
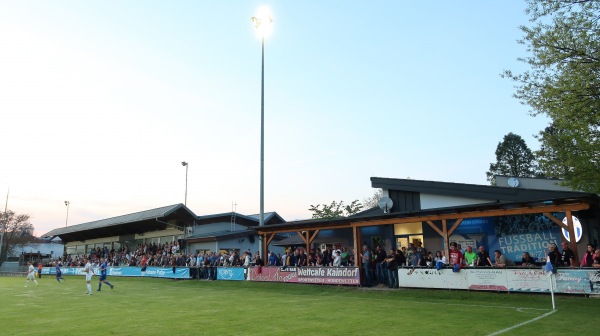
316, 275
273, 274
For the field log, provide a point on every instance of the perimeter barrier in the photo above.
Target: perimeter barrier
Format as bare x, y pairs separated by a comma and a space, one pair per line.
511, 279
518, 279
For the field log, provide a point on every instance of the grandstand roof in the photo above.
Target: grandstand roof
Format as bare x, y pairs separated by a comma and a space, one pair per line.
176, 215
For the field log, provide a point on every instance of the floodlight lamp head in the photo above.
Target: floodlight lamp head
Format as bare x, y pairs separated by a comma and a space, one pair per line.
183, 163
262, 21
67, 203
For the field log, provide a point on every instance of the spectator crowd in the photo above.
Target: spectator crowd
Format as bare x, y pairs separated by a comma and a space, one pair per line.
376, 262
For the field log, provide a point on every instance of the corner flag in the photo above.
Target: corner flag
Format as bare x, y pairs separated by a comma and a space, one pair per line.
549, 268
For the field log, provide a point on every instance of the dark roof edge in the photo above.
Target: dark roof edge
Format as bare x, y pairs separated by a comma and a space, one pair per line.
464, 189
169, 209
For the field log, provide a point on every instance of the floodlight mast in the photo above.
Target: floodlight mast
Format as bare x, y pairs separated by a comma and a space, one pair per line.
185, 164
67, 203
262, 24
4, 223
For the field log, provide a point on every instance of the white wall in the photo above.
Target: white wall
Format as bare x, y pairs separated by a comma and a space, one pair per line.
217, 227
431, 201
533, 183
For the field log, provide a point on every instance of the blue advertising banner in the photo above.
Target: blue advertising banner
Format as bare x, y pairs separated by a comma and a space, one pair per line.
230, 273
161, 272
154, 272
512, 235
71, 270
524, 233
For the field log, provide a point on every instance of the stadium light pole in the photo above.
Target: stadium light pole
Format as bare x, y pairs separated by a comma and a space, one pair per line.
67, 203
4, 223
185, 164
262, 23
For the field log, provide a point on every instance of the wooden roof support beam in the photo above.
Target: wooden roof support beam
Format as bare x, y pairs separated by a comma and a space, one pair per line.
296, 228
569, 227
556, 221
423, 218
269, 238
311, 239
445, 233
456, 224
433, 226
477, 214
301, 234
314, 235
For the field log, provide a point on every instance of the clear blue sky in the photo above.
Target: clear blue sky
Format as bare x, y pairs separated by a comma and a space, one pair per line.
101, 101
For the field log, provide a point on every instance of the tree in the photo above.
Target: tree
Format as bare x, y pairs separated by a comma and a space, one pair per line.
335, 210
563, 84
17, 232
373, 201
513, 158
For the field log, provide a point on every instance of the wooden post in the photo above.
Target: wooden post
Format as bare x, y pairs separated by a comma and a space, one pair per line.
265, 247
446, 239
358, 251
433, 226
357, 245
310, 240
569, 227
572, 238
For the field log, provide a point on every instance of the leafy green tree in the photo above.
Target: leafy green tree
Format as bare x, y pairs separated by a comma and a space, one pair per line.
17, 232
373, 201
563, 83
335, 210
513, 158
559, 163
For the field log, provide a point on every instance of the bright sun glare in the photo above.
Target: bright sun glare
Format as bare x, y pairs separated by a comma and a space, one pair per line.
263, 21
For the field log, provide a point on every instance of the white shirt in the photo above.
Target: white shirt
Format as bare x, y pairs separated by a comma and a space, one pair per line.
88, 269
442, 259
337, 261
31, 270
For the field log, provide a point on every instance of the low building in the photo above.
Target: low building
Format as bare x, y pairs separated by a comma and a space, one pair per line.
227, 232
173, 223
519, 215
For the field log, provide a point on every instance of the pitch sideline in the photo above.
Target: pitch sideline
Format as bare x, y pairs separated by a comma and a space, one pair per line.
522, 323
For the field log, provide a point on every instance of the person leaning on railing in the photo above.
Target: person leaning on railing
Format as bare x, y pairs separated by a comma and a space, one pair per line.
527, 260
337, 259
483, 257
439, 258
273, 259
596, 259
501, 260
588, 256
470, 257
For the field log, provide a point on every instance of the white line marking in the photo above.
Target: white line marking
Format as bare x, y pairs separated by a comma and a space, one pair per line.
519, 309
522, 323
474, 305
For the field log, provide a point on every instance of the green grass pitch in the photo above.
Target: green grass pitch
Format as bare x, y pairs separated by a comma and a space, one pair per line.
144, 306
